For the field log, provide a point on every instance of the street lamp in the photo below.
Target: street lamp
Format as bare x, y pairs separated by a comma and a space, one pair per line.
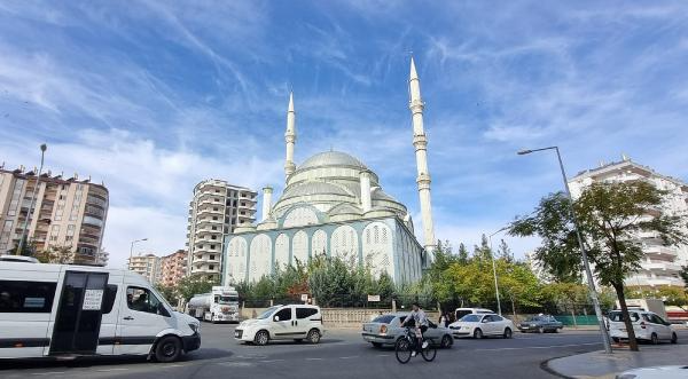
20, 248
494, 268
131, 249
591, 284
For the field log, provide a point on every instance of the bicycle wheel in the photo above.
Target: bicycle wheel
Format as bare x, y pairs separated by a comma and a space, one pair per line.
429, 353
402, 350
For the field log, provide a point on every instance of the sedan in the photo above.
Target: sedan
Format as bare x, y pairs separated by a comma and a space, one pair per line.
386, 329
482, 325
541, 324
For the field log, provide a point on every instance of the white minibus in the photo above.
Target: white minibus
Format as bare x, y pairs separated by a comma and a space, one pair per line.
50, 310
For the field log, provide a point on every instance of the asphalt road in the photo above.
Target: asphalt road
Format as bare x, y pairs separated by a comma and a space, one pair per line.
341, 354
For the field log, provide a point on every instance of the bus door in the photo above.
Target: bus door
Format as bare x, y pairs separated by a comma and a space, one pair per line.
79, 314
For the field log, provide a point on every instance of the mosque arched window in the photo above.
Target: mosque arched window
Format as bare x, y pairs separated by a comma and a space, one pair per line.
376, 234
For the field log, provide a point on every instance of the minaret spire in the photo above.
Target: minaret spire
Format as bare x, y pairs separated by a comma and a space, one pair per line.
420, 142
290, 137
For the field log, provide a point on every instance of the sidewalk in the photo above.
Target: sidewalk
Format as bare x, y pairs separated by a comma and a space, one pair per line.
599, 365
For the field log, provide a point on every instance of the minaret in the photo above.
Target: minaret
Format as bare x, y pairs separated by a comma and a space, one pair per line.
290, 138
420, 142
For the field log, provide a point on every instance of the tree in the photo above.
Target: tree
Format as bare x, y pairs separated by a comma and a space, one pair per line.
504, 252
462, 255
56, 254
610, 216
684, 276
168, 292
328, 277
674, 296
483, 251
195, 284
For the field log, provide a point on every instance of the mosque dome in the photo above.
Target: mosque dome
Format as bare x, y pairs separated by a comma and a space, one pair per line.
328, 181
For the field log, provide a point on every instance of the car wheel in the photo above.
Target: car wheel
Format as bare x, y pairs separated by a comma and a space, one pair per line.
376, 345
654, 339
541, 330
447, 341
261, 338
616, 339
313, 336
556, 330
478, 334
168, 349
507, 333
674, 338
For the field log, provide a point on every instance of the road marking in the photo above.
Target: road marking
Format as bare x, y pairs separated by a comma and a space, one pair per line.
236, 364
113, 369
315, 359
541, 347
349, 357
50, 373
384, 355
271, 360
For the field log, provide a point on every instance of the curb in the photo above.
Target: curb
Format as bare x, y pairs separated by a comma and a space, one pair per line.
545, 367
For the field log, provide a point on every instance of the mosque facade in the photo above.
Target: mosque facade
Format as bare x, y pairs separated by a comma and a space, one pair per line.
334, 205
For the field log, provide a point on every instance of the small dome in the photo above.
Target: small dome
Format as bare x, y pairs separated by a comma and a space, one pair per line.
332, 158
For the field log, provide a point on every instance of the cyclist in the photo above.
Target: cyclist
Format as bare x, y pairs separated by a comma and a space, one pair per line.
421, 324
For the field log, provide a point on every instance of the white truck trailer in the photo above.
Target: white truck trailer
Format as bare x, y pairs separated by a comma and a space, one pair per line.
221, 304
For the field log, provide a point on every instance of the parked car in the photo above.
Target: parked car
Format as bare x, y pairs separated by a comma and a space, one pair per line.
386, 330
460, 312
283, 322
541, 324
482, 325
648, 326
658, 372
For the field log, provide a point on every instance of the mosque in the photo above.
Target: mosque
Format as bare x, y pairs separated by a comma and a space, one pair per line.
333, 204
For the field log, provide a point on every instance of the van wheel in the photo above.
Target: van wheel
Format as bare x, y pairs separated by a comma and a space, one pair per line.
168, 349
653, 339
478, 334
313, 336
674, 338
261, 338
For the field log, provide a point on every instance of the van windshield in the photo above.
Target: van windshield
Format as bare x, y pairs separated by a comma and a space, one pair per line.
268, 312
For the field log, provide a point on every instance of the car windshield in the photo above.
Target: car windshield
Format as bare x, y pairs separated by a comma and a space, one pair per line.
471, 318
618, 316
384, 319
268, 312
536, 318
227, 300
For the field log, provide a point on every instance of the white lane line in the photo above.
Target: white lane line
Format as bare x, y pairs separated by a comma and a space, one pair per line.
349, 357
113, 369
384, 355
540, 347
314, 359
271, 360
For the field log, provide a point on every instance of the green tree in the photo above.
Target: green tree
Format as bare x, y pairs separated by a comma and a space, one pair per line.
504, 252
328, 277
56, 254
675, 296
684, 276
462, 255
195, 284
169, 293
610, 217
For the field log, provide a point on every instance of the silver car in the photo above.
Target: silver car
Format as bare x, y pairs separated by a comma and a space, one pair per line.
386, 329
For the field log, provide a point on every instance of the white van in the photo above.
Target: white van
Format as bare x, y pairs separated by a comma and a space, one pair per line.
49, 310
283, 322
648, 326
460, 312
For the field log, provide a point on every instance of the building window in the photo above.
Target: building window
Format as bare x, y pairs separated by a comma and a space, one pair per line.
212, 247
215, 218
213, 237
16, 194
212, 257
211, 267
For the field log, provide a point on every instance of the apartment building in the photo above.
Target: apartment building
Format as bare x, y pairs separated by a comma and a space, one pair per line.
67, 213
146, 265
661, 264
173, 268
216, 209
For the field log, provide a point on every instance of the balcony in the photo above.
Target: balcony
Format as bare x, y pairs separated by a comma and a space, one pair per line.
659, 250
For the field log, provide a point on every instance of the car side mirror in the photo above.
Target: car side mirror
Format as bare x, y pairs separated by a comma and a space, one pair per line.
276, 318
484, 321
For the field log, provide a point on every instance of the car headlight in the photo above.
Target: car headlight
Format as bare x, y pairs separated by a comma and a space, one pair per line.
195, 327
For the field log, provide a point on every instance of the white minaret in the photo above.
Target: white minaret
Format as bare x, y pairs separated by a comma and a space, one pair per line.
420, 142
290, 138
267, 202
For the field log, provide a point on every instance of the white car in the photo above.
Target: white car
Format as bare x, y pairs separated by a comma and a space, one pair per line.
659, 372
648, 326
482, 325
283, 322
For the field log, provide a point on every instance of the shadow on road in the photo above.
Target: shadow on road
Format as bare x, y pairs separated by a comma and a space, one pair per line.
80, 362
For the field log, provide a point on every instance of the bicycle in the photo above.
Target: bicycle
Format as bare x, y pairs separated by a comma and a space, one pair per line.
406, 345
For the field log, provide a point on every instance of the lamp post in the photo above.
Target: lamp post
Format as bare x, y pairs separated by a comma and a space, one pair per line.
494, 269
131, 249
588, 273
20, 248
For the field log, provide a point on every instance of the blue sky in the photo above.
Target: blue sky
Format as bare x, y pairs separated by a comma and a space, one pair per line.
152, 97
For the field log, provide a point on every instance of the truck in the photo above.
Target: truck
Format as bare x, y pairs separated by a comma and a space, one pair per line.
221, 304
651, 305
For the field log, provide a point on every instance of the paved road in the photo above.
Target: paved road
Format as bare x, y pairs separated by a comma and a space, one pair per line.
341, 354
